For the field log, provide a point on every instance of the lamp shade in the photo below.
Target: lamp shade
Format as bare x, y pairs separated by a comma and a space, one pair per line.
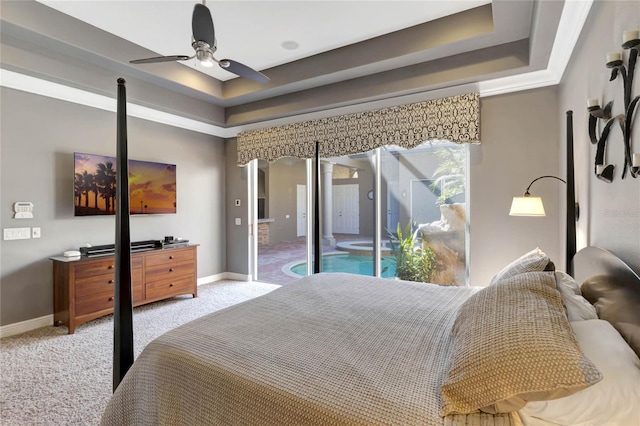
527, 206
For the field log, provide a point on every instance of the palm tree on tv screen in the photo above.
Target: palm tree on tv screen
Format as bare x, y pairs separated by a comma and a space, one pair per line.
87, 181
106, 177
78, 184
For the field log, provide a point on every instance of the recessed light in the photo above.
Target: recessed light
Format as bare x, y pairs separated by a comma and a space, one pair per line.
290, 45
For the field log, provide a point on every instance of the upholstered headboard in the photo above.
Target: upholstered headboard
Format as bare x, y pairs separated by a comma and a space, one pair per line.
613, 288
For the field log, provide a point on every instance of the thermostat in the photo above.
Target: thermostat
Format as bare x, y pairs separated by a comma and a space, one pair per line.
23, 210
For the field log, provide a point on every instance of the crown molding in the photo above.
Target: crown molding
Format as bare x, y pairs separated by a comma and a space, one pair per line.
574, 15
38, 86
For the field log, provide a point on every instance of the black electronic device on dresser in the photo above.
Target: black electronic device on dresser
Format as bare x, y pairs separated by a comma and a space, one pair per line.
109, 249
170, 241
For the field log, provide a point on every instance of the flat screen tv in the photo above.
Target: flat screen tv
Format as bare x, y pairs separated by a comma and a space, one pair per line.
152, 186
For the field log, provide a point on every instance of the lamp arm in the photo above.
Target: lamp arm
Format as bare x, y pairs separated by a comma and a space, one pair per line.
542, 177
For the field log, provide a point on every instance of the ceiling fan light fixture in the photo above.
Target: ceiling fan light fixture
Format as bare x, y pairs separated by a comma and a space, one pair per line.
205, 57
206, 62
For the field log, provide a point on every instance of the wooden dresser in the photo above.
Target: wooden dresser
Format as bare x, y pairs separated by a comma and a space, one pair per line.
83, 288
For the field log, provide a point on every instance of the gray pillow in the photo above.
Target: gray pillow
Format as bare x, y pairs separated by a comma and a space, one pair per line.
617, 302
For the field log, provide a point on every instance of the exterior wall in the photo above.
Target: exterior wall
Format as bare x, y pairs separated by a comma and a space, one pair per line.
284, 176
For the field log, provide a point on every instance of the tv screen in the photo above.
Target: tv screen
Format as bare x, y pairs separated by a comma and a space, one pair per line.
152, 186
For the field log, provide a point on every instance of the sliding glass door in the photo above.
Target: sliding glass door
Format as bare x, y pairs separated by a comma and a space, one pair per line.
282, 204
392, 207
423, 192
348, 214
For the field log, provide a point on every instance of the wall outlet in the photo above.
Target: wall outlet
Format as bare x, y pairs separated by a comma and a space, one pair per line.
17, 233
35, 233
237, 202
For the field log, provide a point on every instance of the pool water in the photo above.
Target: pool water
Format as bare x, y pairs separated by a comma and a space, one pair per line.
353, 264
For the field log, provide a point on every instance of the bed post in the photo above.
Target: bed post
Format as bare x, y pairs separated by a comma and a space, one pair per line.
123, 304
571, 198
317, 243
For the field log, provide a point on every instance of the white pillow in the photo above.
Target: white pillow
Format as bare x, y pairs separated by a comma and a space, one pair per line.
533, 261
578, 308
615, 400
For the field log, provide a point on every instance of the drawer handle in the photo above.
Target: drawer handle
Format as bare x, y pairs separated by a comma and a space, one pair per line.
170, 269
110, 266
111, 299
110, 281
171, 285
170, 257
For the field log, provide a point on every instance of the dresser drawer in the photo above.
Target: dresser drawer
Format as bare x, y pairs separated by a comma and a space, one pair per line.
169, 288
101, 266
168, 256
103, 299
169, 271
100, 283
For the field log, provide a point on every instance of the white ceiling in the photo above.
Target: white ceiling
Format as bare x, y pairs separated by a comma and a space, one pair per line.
252, 32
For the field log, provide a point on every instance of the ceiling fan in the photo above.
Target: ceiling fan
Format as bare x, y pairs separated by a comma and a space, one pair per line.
204, 43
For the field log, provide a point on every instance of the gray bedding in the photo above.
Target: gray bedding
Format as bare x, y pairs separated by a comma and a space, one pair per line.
331, 349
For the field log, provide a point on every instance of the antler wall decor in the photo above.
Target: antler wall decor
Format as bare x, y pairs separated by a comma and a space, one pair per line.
630, 42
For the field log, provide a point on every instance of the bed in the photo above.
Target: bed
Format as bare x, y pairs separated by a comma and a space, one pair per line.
338, 349
344, 349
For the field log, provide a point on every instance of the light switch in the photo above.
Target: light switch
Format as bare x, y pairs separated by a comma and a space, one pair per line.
238, 221
35, 232
17, 233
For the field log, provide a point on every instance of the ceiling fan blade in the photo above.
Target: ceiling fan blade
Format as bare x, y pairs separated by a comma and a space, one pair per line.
242, 70
202, 25
161, 59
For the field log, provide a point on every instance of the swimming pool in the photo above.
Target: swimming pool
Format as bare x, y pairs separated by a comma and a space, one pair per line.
344, 262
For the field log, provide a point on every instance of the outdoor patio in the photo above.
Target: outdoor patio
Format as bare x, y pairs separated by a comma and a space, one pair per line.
272, 257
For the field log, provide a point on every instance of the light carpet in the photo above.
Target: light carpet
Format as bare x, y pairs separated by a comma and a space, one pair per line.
49, 377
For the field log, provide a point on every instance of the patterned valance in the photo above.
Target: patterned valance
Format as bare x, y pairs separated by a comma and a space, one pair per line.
455, 119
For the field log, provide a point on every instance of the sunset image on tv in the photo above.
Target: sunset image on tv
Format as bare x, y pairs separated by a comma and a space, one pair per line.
152, 186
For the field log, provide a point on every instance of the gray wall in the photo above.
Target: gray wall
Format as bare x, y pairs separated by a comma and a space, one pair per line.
237, 188
39, 136
610, 212
520, 142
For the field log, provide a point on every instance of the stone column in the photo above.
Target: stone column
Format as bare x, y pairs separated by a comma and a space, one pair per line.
327, 203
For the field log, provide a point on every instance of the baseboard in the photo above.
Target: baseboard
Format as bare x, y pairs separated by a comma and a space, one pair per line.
47, 320
24, 326
237, 277
211, 278
224, 276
